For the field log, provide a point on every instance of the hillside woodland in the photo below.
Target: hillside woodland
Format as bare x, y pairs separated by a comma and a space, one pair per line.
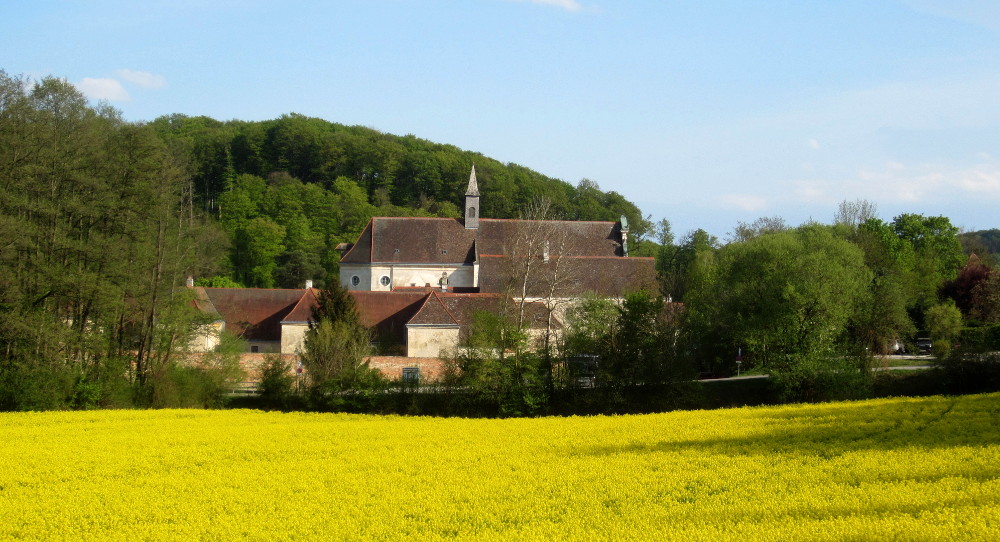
101, 221
288, 191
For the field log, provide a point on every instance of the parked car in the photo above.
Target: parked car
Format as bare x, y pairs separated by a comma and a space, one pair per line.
924, 345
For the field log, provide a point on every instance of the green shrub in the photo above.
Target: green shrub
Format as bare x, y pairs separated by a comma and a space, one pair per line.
941, 348
276, 383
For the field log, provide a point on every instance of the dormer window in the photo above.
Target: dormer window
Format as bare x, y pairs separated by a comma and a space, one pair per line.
395, 251
444, 251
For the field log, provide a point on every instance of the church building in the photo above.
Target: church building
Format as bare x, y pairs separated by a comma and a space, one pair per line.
418, 283
477, 254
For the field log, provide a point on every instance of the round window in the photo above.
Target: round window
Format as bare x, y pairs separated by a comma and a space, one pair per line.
355, 280
384, 280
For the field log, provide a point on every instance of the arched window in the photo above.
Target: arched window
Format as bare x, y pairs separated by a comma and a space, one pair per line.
355, 280
472, 212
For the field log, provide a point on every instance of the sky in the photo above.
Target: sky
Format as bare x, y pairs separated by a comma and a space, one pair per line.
706, 113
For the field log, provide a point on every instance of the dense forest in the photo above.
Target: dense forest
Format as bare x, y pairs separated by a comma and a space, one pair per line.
101, 221
289, 190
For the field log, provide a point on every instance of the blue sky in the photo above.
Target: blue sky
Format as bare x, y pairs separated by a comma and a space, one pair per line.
704, 113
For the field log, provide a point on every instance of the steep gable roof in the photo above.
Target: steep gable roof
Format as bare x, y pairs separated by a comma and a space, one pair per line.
611, 277
301, 313
413, 240
433, 312
447, 241
450, 309
251, 313
500, 237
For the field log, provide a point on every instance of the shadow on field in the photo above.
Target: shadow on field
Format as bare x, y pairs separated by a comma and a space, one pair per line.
828, 430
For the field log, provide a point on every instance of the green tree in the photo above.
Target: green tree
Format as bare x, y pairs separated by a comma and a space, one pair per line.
257, 247
944, 321
785, 299
335, 349
937, 258
100, 229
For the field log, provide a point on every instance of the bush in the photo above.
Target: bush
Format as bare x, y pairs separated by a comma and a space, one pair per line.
276, 383
824, 379
965, 372
941, 348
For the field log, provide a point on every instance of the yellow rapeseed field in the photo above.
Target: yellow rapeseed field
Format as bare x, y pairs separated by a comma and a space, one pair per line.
905, 469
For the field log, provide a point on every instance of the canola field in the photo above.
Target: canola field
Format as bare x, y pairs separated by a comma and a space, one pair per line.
907, 469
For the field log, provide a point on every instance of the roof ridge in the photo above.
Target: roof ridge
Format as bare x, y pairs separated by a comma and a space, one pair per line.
548, 220
424, 306
309, 292
450, 314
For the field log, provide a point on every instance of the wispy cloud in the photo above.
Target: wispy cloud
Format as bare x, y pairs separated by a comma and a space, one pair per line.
743, 202
568, 5
143, 79
894, 182
103, 89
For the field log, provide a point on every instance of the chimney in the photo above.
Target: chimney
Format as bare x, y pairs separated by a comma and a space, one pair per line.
309, 284
190, 282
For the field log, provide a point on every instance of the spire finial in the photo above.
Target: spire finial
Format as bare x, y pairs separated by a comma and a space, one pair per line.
473, 185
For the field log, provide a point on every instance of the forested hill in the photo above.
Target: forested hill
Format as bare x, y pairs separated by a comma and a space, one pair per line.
985, 243
289, 190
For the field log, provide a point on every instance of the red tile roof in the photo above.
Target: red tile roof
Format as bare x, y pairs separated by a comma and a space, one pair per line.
433, 312
251, 313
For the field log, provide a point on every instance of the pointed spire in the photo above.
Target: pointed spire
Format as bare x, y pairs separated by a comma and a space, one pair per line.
473, 185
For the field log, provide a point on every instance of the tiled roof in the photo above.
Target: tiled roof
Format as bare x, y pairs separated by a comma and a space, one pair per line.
409, 239
574, 276
433, 312
388, 312
301, 313
500, 237
251, 313
447, 308
446, 241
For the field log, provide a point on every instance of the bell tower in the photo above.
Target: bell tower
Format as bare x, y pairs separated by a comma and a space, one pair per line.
472, 202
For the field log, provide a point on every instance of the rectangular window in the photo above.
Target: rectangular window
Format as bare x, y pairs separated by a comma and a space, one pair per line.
411, 375
254, 349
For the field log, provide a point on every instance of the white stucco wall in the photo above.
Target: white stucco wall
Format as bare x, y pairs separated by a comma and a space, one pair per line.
404, 275
207, 337
363, 272
430, 341
293, 337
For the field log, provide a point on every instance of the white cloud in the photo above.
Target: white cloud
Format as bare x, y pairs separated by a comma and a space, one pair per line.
894, 182
143, 79
103, 89
813, 144
744, 202
811, 190
568, 5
